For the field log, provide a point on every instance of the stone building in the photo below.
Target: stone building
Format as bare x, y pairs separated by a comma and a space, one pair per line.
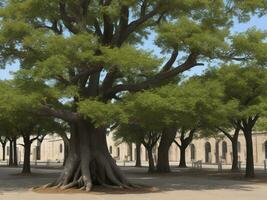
208, 150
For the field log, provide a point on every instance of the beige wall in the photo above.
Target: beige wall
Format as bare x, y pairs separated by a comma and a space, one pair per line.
50, 150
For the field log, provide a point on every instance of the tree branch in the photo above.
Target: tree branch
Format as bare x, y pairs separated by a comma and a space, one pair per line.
65, 115
67, 20
155, 80
225, 133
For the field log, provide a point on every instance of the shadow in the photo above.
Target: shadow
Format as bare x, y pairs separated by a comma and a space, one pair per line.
11, 179
179, 179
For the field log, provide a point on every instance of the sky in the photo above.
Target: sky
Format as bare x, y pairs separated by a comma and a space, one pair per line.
260, 23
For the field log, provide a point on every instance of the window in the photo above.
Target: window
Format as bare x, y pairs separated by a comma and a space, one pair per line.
118, 152
207, 152
7, 150
224, 149
60, 148
193, 152
38, 150
110, 149
238, 147
265, 145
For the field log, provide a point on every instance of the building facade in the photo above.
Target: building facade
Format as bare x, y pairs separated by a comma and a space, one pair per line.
208, 150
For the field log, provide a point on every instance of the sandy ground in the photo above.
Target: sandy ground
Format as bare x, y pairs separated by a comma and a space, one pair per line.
182, 185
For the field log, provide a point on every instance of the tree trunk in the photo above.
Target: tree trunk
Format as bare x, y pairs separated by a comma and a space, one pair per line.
235, 154
15, 158
250, 160
10, 160
66, 151
182, 163
27, 155
130, 152
138, 155
89, 161
151, 165
163, 151
4, 152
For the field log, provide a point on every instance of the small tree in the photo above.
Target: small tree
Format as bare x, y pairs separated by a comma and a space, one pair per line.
247, 86
3, 141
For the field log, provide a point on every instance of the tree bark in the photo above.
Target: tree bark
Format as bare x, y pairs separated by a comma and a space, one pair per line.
130, 151
89, 161
10, 161
27, 155
235, 153
4, 152
234, 141
182, 163
15, 157
163, 151
138, 155
151, 165
250, 159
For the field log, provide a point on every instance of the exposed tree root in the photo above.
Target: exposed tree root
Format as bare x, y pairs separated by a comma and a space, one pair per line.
89, 163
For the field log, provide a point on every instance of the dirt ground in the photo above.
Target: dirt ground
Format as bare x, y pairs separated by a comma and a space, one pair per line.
180, 184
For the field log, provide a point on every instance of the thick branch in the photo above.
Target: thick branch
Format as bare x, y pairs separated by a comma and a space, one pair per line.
155, 80
225, 133
61, 114
171, 61
67, 20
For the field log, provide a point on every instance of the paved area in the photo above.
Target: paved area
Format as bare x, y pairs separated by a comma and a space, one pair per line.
182, 185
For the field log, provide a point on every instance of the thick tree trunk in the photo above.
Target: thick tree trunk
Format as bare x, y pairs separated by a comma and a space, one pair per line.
138, 155
182, 163
235, 154
4, 152
250, 160
66, 151
89, 162
130, 152
27, 155
151, 165
10, 160
15, 158
163, 151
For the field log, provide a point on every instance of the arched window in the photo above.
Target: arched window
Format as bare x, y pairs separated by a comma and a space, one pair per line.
238, 147
207, 152
60, 148
118, 152
224, 149
193, 151
38, 150
265, 145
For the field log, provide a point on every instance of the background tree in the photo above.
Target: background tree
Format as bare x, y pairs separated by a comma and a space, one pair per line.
3, 141
137, 134
245, 85
196, 106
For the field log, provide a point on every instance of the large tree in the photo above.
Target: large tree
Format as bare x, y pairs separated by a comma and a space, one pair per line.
76, 56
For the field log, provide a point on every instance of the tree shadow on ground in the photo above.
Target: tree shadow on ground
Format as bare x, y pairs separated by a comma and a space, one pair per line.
186, 179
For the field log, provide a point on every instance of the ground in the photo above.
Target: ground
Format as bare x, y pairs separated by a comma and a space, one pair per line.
181, 184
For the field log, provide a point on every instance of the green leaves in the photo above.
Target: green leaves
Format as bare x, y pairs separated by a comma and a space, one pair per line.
130, 61
251, 45
101, 114
189, 35
246, 86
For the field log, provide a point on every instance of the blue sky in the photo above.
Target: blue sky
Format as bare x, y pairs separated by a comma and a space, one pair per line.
260, 23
